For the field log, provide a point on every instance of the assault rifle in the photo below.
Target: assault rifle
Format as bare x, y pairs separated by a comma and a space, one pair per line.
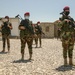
71, 21
27, 25
18, 16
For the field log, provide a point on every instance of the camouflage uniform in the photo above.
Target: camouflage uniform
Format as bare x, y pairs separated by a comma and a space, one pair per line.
58, 31
26, 36
38, 32
6, 31
67, 38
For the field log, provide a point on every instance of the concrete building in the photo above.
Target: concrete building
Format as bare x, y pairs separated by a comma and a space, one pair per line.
48, 29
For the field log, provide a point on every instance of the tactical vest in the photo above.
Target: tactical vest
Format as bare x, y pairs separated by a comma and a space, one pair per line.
5, 28
68, 26
28, 28
39, 30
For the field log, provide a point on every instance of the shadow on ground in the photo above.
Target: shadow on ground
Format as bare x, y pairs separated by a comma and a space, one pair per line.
21, 61
65, 68
3, 52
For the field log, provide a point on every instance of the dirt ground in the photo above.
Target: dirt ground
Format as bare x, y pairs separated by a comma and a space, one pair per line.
47, 60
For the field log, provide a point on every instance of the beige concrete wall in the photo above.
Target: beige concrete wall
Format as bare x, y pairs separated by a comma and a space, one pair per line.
50, 32
15, 23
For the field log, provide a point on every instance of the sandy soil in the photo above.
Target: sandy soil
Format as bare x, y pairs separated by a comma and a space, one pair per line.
47, 60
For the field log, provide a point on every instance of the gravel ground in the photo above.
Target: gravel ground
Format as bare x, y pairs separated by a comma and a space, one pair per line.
47, 60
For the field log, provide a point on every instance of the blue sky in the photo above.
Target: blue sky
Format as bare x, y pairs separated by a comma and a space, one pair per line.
40, 10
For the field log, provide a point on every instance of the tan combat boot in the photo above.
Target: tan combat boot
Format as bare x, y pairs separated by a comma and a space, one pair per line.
70, 61
22, 57
8, 50
30, 57
3, 50
65, 62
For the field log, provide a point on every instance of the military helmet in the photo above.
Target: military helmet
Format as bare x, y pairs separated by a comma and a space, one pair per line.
66, 8
27, 14
7, 17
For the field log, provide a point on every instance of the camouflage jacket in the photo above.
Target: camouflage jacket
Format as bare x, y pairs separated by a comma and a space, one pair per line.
67, 29
28, 28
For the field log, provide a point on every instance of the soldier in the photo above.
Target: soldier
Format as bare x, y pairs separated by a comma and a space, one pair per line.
6, 31
59, 31
26, 35
67, 35
38, 32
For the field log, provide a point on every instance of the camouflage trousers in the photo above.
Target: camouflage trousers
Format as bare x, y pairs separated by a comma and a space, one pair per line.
29, 41
58, 36
68, 46
5, 37
38, 38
